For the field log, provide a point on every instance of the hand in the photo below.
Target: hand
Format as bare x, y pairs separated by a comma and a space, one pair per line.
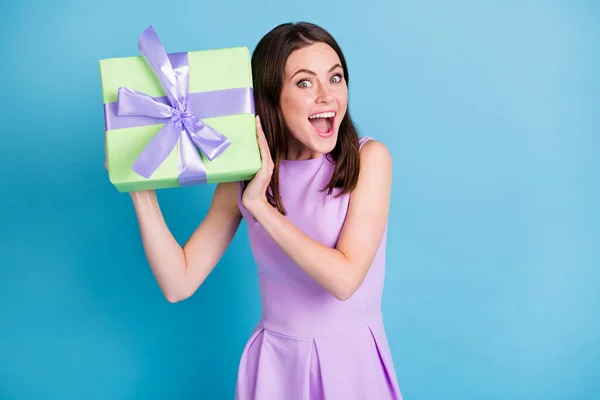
255, 194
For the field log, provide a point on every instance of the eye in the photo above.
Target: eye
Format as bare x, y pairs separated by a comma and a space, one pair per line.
337, 78
304, 83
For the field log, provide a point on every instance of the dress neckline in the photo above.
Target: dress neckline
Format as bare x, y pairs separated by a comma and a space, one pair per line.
304, 162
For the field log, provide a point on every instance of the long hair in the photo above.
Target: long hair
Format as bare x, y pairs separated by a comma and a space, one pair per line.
268, 63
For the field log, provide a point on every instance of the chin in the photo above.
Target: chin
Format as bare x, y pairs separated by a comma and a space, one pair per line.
324, 143
316, 141
327, 145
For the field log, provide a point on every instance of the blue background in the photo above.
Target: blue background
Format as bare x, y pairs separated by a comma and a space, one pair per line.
491, 112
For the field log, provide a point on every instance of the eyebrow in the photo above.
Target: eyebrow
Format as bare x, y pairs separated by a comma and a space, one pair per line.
307, 71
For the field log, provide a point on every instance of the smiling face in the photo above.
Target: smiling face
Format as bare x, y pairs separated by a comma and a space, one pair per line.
314, 100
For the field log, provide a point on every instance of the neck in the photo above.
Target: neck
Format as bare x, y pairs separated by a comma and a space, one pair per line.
299, 152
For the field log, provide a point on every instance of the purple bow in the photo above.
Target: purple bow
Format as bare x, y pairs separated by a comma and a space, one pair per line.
182, 125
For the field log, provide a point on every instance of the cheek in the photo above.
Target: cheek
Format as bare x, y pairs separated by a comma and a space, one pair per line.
341, 98
294, 109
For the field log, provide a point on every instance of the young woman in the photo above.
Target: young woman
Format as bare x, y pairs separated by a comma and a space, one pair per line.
317, 219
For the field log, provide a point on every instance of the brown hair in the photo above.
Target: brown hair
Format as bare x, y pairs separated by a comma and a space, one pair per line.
268, 62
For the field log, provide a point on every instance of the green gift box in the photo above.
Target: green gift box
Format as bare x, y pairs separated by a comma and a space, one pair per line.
178, 119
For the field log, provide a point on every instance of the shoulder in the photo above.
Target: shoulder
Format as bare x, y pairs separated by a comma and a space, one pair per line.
373, 188
374, 155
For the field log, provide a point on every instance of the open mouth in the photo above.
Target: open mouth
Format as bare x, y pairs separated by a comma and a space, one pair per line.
322, 122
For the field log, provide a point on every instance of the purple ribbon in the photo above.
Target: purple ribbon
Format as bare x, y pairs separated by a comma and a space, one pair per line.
182, 111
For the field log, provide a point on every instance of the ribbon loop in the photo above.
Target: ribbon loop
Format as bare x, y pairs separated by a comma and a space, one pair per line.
134, 103
174, 85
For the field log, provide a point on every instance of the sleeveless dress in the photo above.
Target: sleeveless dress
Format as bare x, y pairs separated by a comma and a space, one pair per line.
308, 345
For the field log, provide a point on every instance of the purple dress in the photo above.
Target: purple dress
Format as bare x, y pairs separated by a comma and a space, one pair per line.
308, 345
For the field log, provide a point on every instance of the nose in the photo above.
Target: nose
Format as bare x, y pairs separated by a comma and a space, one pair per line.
324, 94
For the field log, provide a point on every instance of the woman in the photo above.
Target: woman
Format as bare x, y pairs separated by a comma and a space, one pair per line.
317, 218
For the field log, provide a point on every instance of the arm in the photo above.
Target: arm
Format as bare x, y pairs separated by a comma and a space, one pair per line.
340, 270
180, 271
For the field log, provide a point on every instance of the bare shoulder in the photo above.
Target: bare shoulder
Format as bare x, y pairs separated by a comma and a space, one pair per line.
375, 156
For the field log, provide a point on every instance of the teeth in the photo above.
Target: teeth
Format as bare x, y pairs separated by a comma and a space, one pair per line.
322, 115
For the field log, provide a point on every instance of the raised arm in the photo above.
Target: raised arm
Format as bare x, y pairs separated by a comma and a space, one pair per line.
178, 270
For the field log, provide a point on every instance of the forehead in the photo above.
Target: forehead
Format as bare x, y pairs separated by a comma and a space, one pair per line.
318, 57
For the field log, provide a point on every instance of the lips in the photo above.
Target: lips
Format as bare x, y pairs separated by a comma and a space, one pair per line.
323, 122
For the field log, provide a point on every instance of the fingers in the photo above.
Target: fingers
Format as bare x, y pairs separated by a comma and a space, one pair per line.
260, 134
265, 152
260, 137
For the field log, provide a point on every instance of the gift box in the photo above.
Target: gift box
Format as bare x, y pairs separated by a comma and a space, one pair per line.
178, 119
